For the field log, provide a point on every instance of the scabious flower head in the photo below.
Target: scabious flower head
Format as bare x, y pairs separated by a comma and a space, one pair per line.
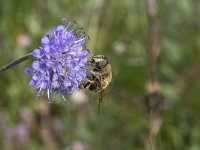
61, 61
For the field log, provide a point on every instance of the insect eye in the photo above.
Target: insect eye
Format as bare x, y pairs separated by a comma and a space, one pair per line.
101, 65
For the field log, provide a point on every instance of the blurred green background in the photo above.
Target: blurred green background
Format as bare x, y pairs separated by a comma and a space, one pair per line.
119, 30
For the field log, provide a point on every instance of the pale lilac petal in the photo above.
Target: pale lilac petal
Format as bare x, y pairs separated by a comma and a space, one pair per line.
45, 40
36, 53
36, 65
29, 70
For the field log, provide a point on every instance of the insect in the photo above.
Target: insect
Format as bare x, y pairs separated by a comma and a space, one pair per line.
99, 77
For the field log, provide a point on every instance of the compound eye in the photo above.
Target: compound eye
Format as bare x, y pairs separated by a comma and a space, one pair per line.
101, 64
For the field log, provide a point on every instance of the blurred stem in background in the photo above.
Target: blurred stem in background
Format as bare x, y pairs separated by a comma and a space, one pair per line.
154, 97
94, 23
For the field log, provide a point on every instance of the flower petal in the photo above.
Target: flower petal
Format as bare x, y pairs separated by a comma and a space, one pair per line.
45, 40
36, 65
36, 53
29, 70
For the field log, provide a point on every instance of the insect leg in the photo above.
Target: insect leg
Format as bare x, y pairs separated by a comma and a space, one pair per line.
100, 96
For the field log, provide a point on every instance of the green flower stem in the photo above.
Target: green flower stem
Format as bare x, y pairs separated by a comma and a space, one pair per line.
15, 62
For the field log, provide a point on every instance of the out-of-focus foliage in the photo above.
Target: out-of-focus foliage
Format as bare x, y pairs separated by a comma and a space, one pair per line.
119, 30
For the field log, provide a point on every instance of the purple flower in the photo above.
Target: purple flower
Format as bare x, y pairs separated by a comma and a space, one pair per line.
61, 61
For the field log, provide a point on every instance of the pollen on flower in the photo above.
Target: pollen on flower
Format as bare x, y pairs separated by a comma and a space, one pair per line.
61, 61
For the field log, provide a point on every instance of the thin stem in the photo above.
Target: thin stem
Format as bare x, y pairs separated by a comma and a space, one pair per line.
94, 22
153, 52
154, 47
15, 62
151, 142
